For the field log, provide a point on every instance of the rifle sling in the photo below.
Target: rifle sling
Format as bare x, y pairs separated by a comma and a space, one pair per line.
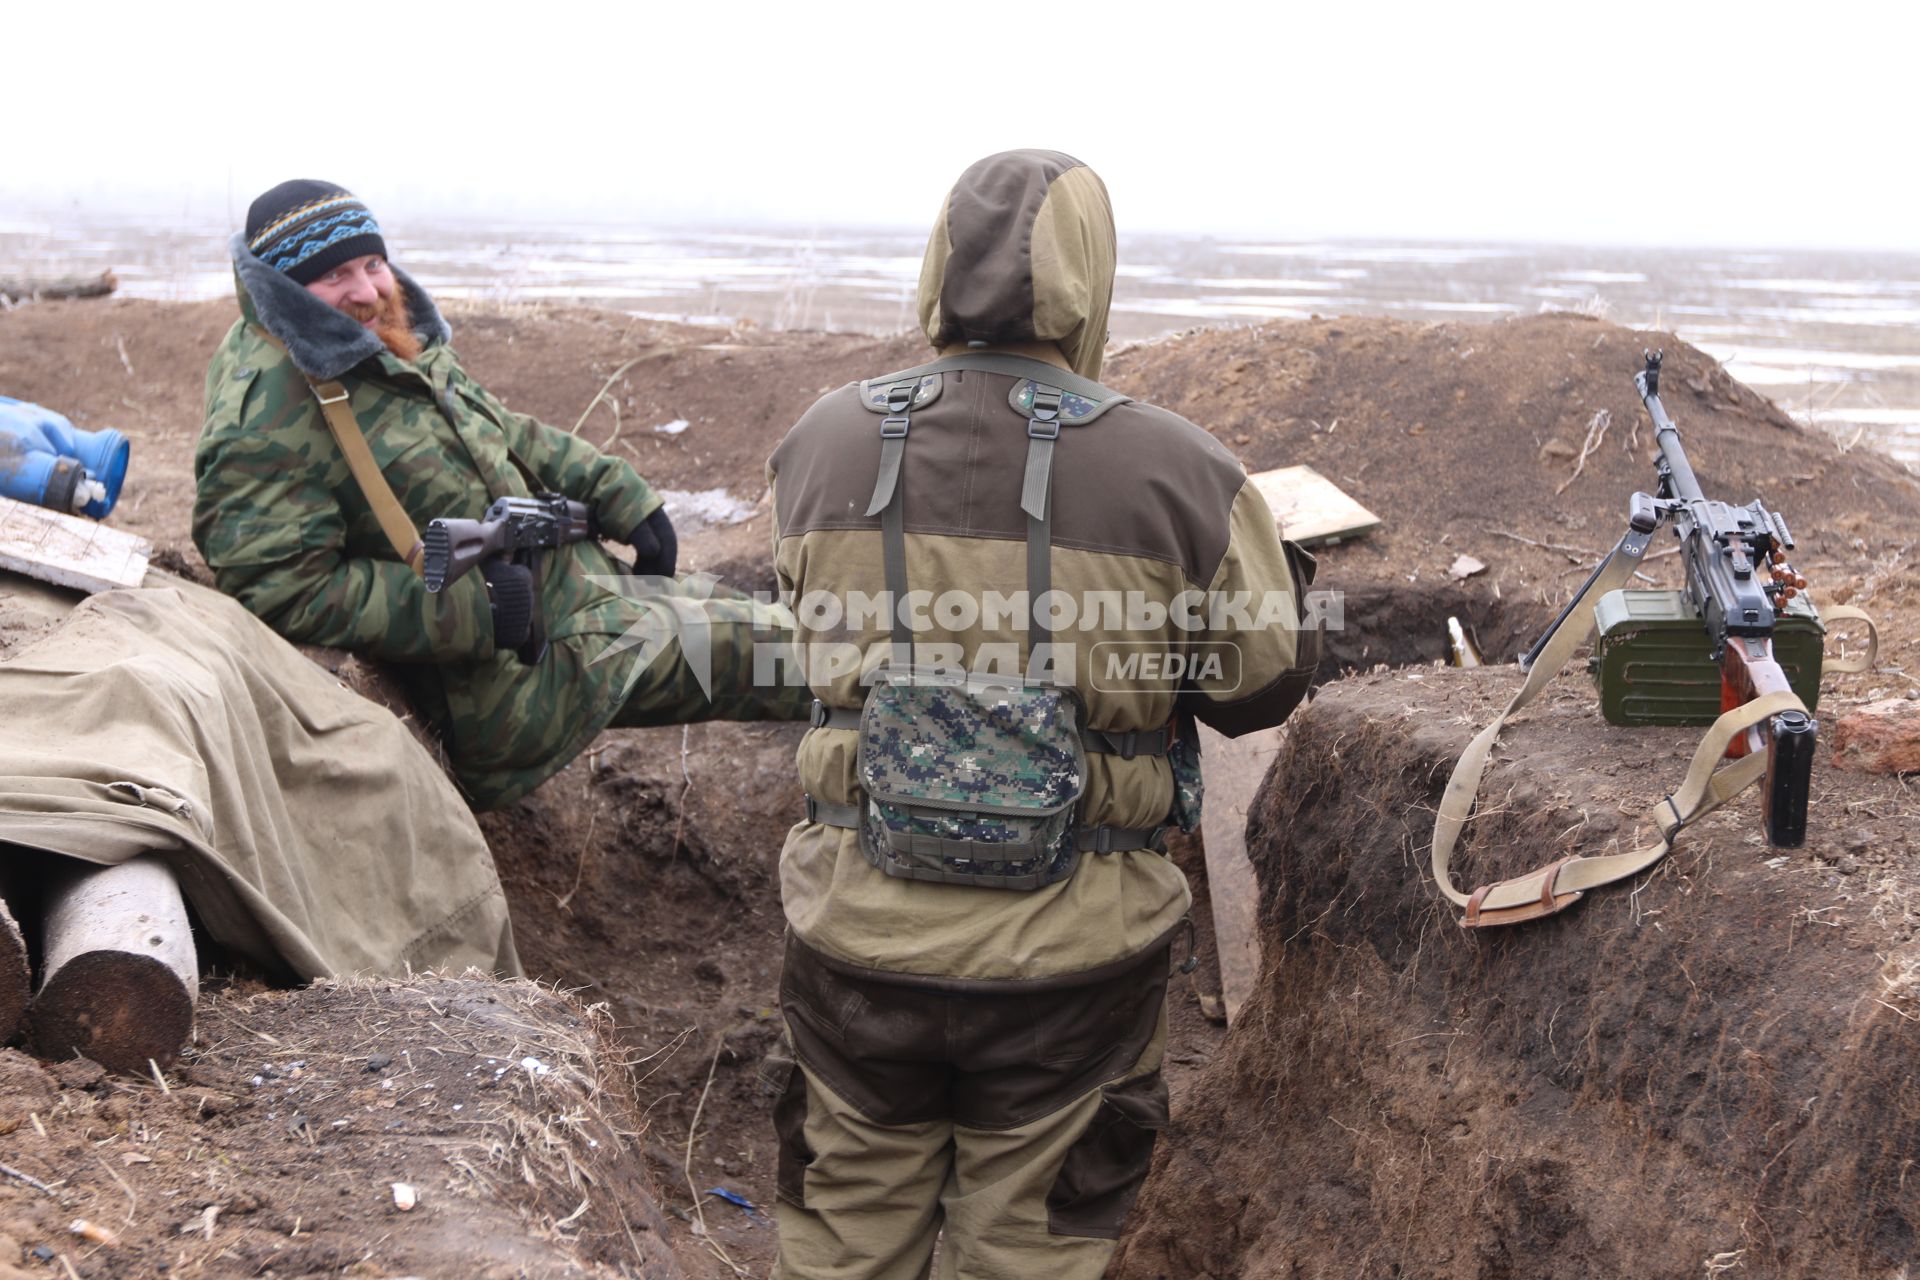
393, 518
345, 429
1560, 884
1860, 661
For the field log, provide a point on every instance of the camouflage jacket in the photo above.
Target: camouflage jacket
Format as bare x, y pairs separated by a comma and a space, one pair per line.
287, 531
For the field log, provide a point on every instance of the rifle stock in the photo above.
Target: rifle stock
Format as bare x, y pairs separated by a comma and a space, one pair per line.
452, 548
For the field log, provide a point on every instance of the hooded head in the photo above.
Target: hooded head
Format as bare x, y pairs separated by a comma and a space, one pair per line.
1023, 252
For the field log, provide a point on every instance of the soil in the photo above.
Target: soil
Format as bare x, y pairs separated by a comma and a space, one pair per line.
276, 1149
1707, 1068
642, 876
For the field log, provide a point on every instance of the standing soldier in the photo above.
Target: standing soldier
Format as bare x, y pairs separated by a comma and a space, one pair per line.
339, 420
981, 915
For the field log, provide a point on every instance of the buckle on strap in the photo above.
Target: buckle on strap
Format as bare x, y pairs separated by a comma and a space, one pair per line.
1669, 831
812, 806
1043, 422
1550, 902
894, 428
1111, 839
816, 718
900, 396
1128, 742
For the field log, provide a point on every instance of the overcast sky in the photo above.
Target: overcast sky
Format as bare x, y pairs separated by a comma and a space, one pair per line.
1649, 123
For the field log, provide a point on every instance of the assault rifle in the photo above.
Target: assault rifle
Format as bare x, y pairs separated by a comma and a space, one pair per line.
521, 530
1738, 582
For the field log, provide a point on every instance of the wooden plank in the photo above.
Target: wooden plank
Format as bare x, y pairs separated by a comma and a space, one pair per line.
1233, 769
69, 551
1310, 508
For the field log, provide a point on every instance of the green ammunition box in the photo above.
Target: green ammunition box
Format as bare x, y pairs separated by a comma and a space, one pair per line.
1654, 661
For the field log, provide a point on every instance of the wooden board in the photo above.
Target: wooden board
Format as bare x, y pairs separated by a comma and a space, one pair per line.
69, 551
1233, 769
1312, 509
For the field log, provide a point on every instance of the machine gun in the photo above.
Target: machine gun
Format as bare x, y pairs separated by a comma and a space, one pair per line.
1739, 587
521, 530
1739, 581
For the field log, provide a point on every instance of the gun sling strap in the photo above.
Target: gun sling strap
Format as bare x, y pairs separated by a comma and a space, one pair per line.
352, 442
1559, 885
1044, 418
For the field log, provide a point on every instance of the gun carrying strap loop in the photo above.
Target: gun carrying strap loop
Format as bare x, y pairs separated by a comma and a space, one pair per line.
393, 518
337, 409
1859, 661
1555, 887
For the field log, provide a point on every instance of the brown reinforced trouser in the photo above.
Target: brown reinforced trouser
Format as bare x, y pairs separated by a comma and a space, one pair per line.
1019, 1123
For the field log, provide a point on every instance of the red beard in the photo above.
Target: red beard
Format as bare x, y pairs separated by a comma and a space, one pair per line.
389, 318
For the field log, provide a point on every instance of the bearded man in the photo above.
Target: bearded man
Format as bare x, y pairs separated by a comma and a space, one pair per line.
316, 549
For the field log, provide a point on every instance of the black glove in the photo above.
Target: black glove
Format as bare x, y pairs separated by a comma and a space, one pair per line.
655, 546
510, 596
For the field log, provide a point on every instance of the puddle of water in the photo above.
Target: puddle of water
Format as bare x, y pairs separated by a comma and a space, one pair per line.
1592, 276
1834, 336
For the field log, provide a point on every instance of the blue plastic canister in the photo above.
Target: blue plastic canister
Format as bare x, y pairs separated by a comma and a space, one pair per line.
44, 458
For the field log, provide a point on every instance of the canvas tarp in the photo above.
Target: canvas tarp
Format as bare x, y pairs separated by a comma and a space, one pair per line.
308, 829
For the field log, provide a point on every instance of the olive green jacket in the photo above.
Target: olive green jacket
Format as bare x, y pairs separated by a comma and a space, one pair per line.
287, 531
1146, 508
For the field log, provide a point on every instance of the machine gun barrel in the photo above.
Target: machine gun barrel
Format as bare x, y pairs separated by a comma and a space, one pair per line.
1685, 485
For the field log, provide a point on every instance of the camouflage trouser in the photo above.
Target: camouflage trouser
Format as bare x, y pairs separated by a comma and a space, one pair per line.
711, 654
1014, 1128
687, 651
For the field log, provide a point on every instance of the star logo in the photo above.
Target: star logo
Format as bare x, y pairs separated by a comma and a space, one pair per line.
671, 609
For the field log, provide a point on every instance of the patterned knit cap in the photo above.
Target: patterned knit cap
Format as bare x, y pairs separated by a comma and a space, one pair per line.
306, 228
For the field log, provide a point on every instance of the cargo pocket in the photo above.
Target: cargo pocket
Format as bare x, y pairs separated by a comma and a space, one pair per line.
1104, 1169
790, 1130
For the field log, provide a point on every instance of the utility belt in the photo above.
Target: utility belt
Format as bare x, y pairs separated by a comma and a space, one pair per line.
977, 779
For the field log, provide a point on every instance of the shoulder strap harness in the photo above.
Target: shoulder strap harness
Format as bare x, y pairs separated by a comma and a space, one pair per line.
1049, 398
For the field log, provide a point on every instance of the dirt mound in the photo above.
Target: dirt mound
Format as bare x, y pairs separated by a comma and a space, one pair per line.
643, 873
1708, 1069
1698, 1072
274, 1150
1466, 439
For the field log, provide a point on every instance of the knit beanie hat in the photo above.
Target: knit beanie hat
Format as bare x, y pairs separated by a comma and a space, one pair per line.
306, 228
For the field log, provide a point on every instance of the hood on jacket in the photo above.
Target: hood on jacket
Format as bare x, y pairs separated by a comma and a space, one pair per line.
323, 342
1023, 251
